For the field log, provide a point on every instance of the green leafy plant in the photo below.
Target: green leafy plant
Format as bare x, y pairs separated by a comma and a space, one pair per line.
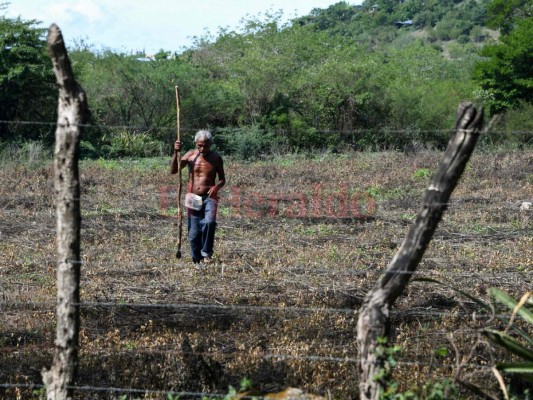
39, 394
422, 173
244, 385
514, 339
389, 388
375, 191
408, 217
123, 143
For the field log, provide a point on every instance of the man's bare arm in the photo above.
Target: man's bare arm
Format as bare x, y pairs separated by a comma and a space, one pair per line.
174, 162
221, 179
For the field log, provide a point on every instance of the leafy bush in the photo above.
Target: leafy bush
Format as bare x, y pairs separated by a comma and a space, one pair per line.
519, 124
245, 143
389, 388
122, 143
88, 150
30, 153
506, 72
514, 128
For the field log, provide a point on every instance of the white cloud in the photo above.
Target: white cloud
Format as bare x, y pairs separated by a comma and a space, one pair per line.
86, 10
47, 11
126, 25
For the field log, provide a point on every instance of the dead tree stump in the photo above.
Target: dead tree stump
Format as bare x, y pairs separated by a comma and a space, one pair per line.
72, 113
373, 321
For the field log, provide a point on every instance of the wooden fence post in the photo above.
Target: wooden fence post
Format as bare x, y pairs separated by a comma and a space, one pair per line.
373, 321
72, 112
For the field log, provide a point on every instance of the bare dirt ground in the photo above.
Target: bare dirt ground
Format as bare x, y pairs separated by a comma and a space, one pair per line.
299, 243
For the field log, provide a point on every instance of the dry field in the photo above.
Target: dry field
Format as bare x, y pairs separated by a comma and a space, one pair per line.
299, 243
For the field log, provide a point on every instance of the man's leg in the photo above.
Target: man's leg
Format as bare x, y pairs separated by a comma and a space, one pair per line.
208, 225
194, 235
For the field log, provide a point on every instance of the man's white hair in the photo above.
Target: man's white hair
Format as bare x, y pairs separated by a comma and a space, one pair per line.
203, 135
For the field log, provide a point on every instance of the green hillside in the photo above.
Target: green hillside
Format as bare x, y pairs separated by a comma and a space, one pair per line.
382, 21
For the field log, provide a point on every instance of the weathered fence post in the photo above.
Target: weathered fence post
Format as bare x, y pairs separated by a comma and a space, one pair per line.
373, 321
72, 112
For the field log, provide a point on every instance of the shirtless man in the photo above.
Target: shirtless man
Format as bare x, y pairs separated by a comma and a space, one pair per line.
204, 166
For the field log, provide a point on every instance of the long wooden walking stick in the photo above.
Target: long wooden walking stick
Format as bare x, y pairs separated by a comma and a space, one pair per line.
180, 217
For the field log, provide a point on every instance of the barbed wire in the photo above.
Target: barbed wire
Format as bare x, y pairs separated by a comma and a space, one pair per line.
338, 360
353, 272
138, 265
324, 131
425, 311
168, 192
242, 211
120, 390
374, 261
224, 351
52, 305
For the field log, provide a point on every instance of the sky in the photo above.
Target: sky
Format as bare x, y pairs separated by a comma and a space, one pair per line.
131, 26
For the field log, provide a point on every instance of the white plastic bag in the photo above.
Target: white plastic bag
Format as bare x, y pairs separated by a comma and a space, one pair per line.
193, 201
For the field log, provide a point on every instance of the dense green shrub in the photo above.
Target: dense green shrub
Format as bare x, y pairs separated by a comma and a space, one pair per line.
27, 90
245, 143
122, 143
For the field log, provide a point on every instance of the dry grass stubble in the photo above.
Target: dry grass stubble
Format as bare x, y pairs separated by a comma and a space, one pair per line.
279, 305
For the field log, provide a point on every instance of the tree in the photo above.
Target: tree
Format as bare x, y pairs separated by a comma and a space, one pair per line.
503, 13
507, 74
124, 91
27, 88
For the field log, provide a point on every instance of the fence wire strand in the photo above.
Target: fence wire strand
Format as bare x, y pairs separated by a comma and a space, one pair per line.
173, 128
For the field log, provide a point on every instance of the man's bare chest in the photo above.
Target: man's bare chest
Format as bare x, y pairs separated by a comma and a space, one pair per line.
203, 165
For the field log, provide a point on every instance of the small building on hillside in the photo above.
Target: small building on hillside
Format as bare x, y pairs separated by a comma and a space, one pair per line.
399, 24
